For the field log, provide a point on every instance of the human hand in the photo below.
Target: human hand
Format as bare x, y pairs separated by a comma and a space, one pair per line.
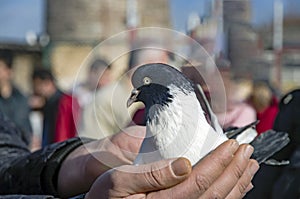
224, 173
87, 162
130, 181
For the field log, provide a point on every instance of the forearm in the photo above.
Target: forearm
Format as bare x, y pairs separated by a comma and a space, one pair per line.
36, 173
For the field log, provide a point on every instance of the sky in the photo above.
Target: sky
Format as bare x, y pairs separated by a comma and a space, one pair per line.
262, 10
18, 17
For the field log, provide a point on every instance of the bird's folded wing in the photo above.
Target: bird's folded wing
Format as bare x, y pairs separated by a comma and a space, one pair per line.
214, 120
267, 144
235, 132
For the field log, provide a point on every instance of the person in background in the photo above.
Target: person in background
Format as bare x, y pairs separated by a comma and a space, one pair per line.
36, 103
97, 77
108, 113
12, 102
287, 120
60, 112
276, 182
265, 105
238, 113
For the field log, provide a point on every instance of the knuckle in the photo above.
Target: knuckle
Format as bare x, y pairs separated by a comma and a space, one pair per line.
115, 178
223, 163
216, 194
238, 171
202, 183
154, 177
242, 188
219, 161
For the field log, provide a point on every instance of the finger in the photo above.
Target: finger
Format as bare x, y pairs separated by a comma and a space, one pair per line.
244, 184
126, 144
204, 173
159, 175
119, 149
232, 175
130, 139
145, 178
249, 187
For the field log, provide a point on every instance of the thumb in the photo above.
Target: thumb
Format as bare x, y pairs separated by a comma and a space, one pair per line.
128, 180
159, 175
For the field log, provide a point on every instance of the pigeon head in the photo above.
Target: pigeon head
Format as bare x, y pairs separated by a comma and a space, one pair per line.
152, 84
175, 121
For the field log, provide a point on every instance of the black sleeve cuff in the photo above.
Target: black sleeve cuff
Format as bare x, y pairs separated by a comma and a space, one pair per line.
36, 173
57, 154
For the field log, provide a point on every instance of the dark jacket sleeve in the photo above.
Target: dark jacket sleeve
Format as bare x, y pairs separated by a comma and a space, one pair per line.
27, 197
22, 172
288, 121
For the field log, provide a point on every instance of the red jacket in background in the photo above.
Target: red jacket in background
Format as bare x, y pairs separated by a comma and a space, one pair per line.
67, 118
267, 117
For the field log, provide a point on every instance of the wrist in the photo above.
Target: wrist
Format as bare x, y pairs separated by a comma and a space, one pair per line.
72, 172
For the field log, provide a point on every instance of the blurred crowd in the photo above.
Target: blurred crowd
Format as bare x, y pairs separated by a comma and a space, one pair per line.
96, 107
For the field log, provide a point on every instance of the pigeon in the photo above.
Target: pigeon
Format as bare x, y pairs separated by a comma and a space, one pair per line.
176, 124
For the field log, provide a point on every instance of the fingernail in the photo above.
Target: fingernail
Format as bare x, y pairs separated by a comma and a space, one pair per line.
253, 168
234, 144
248, 151
181, 167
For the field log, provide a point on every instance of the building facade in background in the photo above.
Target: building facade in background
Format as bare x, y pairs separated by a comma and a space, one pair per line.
75, 27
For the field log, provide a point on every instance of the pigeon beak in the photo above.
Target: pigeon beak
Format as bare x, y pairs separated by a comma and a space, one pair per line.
133, 97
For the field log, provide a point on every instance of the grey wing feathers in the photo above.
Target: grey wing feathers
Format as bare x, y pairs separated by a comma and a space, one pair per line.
267, 144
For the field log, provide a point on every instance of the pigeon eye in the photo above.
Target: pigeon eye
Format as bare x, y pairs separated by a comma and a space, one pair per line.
147, 80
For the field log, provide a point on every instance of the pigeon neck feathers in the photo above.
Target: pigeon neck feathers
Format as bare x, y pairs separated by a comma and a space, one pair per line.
155, 94
179, 128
